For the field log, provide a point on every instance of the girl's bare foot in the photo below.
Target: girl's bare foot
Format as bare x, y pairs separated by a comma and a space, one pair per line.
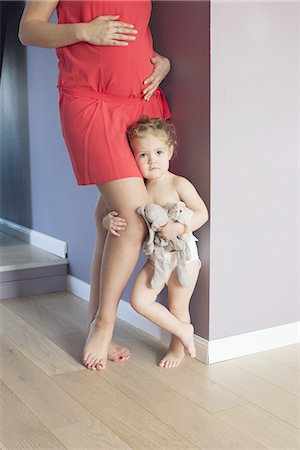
187, 338
96, 348
173, 357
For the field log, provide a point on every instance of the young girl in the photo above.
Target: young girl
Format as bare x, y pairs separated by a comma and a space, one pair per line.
153, 142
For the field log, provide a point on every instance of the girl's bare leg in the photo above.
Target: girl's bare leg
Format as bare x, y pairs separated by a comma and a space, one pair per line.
143, 300
115, 352
178, 304
119, 258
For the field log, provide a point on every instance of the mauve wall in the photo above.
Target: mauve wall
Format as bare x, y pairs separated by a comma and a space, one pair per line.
181, 32
253, 267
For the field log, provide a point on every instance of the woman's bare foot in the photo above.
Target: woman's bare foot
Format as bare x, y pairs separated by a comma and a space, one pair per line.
96, 348
173, 357
116, 352
187, 338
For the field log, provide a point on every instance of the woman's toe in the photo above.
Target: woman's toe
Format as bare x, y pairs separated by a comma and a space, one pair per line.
101, 364
91, 362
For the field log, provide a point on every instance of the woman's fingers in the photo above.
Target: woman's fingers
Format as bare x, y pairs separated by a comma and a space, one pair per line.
123, 37
150, 79
153, 83
108, 17
150, 93
107, 30
161, 68
151, 88
123, 26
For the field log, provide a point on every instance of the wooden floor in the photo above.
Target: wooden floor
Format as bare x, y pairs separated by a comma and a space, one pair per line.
17, 254
49, 400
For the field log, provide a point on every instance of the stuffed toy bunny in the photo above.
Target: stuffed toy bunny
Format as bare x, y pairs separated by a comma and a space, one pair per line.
158, 248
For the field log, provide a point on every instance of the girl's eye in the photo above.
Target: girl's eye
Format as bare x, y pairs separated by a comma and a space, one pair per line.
142, 155
159, 152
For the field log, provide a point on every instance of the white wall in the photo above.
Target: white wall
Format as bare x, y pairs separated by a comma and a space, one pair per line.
253, 166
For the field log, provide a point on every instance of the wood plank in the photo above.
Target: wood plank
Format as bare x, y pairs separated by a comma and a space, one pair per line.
186, 417
19, 427
269, 397
128, 420
19, 252
89, 435
288, 355
272, 371
54, 300
38, 392
41, 351
267, 429
9, 322
47, 322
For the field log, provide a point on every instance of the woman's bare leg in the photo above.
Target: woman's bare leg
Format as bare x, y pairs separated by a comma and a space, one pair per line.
178, 303
115, 352
119, 258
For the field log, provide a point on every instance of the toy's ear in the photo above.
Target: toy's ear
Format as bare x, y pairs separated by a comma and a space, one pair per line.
141, 210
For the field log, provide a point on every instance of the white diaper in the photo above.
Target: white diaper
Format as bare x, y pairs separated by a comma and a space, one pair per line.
194, 255
194, 250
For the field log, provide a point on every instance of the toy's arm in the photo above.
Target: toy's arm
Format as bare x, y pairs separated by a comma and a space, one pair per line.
192, 199
113, 223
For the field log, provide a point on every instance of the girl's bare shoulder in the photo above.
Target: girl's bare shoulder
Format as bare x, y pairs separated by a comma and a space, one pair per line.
180, 181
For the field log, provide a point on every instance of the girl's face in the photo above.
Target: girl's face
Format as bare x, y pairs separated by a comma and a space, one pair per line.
152, 155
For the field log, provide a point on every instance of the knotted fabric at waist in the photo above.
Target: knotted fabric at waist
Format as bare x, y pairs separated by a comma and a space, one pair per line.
89, 93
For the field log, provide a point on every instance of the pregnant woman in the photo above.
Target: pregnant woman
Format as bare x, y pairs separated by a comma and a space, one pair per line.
108, 77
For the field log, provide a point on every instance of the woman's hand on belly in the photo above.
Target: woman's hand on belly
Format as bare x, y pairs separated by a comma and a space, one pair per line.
161, 69
107, 30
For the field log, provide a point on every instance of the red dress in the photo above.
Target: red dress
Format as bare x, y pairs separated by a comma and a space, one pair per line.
101, 91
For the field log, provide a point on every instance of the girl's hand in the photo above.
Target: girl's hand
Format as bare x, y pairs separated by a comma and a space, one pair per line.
113, 223
171, 230
108, 30
162, 67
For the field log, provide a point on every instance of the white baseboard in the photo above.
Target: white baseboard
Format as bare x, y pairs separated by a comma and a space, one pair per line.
253, 342
78, 287
208, 352
40, 240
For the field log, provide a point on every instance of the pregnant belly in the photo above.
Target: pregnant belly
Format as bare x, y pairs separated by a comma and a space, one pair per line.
119, 71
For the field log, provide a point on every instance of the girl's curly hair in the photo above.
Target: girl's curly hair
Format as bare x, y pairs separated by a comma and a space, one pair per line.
153, 125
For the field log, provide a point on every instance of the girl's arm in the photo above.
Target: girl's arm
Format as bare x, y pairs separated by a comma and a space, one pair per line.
192, 199
188, 194
103, 30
